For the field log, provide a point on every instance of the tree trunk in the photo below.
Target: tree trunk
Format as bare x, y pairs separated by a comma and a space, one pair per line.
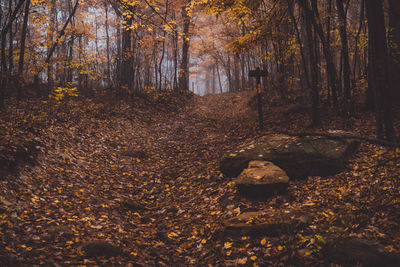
316, 120
22, 48
219, 78
346, 61
184, 71
379, 78
10, 45
330, 66
394, 21
108, 70
126, 64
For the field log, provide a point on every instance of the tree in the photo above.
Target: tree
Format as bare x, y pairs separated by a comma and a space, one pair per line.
379, 78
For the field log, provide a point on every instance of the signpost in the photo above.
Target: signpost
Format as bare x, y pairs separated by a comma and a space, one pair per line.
258, 73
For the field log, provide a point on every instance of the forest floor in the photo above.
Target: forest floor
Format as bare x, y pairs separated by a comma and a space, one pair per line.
147, 182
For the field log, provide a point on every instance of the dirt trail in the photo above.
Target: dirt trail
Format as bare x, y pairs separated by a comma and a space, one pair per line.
83, 188
165, 205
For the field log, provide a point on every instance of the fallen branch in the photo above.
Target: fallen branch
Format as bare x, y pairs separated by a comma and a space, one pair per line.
340, 136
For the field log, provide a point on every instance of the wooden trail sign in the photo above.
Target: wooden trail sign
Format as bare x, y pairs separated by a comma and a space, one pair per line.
258, 73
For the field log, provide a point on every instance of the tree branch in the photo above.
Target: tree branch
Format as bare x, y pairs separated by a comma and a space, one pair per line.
348, 136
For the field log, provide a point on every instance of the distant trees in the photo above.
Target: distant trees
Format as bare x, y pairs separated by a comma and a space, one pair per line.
333, 51
121, 47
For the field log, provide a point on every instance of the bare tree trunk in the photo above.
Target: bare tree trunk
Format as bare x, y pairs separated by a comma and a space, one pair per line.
126, 64
379, 78
52, 30
316, 120
229, 74
175, 43
328, 40
394, 21
346, 61
184, 71
306, 74
313, 14
357, 57
108, 70
10, 45
219, 78
213, 80
22, 48
3, 68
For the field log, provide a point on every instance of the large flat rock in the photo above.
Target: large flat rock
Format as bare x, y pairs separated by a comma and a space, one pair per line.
299, 157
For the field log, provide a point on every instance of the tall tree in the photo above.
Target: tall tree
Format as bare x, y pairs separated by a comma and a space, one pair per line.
379, 78
184, 70
22, 46
394, 37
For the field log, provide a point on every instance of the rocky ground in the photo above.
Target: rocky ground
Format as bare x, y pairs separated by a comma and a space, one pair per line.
111, 186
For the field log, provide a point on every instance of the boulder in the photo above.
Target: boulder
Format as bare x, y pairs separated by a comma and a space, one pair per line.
266, 222
262, 179
299, 157
359, 252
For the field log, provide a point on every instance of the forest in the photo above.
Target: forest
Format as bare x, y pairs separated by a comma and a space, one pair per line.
199, 132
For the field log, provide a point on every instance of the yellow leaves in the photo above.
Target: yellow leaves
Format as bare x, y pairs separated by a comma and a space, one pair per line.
10, 249
137, 214
158, 243
237, 211
172, 235
228, 245
203, 241
250, 221
29, 248
86, 261
61, 92
253, 258
263, 241
326, 215
242, 260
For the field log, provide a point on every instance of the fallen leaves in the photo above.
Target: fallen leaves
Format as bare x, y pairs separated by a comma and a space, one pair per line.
166, 208
227, 245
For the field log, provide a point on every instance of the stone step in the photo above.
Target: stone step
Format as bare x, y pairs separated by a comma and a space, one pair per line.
262, 179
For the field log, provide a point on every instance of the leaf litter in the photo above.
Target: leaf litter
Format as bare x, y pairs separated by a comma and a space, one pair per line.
167, 207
